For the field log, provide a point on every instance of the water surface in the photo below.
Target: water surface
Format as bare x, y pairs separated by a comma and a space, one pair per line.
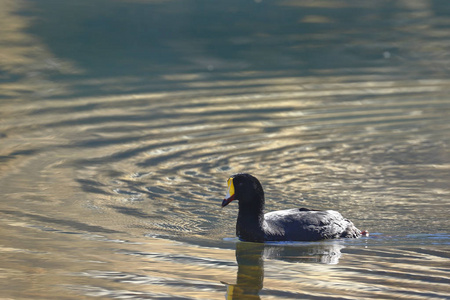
120, 122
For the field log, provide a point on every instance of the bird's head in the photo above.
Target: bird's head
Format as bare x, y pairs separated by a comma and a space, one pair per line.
245, 188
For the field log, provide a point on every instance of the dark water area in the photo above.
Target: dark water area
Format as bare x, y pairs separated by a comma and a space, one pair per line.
120, 122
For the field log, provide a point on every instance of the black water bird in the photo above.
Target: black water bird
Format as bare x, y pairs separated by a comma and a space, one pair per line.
297, 224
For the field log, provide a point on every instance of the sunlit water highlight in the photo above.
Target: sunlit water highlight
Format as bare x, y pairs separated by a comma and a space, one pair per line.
112, 182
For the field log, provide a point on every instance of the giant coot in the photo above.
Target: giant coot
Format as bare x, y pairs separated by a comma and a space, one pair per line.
298, 224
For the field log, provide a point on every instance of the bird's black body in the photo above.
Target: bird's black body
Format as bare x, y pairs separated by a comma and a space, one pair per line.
298, 224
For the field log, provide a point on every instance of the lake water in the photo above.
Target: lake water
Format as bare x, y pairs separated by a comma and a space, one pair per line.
120, 122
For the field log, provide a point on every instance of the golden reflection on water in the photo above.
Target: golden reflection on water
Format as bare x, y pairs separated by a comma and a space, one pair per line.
86, 185
117, 264
111, 185
25, 56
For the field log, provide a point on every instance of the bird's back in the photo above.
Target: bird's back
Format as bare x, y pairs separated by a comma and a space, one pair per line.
307, 225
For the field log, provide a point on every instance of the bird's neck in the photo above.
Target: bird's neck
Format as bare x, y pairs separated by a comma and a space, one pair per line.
249, 226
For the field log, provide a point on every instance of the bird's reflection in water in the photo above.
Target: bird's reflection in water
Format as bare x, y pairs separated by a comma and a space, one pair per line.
250, 259
250, 275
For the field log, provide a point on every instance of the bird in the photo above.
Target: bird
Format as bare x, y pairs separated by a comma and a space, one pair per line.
296, 224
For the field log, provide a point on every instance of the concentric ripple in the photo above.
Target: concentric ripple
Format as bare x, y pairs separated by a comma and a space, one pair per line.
120, 122
158, 161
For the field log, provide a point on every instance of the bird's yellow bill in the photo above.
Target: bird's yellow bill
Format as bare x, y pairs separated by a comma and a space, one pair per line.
230, 193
